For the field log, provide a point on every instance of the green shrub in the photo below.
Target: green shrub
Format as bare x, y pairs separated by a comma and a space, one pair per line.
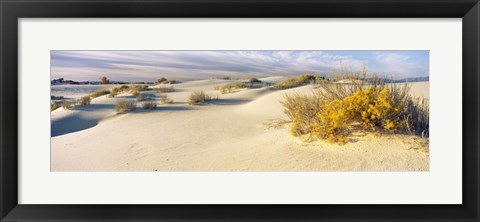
124, 106
198, 97
149, 105
98, 93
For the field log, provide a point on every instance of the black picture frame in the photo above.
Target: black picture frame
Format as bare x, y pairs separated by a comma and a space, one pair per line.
12, 10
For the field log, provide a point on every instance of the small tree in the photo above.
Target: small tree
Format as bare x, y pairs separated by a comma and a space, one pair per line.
104, 80
161, 80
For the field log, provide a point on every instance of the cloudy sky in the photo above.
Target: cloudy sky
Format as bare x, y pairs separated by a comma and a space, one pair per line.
152, 65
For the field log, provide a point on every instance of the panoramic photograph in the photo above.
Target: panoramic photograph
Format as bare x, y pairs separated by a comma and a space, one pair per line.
234, 111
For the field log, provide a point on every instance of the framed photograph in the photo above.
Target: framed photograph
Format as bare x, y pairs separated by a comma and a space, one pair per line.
228, 110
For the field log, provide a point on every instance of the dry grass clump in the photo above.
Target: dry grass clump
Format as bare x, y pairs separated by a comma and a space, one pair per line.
198, 97
67, 105
250, 83
229, 87
83, 101
165, 99
300, 80
335, 110
139, 87
164, 89
149, 105
55, 105
166, 81
117, 90
124, 106
98, 93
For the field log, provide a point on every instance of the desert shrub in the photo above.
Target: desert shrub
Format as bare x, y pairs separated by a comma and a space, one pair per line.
143, 96
66, 105
138, 87
123, 106
98, 93
229, 87
300, 80
149, 105
165, 99
164, 89
198, 97
55, 105
120, 89
332, 114
83, 101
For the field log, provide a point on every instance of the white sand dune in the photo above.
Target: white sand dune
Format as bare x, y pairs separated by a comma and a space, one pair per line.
225, 135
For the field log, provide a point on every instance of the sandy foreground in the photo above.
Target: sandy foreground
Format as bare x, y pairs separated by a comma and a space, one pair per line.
225, 135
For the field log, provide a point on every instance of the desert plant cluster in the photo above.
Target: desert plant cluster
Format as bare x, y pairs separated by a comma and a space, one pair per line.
300, 80
198, 97
334, 110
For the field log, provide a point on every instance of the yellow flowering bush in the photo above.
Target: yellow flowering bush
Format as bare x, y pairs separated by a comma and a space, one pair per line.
372, 107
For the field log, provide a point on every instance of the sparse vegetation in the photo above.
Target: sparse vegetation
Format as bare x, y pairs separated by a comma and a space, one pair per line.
229, 87
139, 87
67, 105
335, 110
83, 101
98, 93
165, 99
300, 80
55, 105
223, 77
164, 89
143, 96
149, 105
124, 106
166, 81
198, 97
250, 83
